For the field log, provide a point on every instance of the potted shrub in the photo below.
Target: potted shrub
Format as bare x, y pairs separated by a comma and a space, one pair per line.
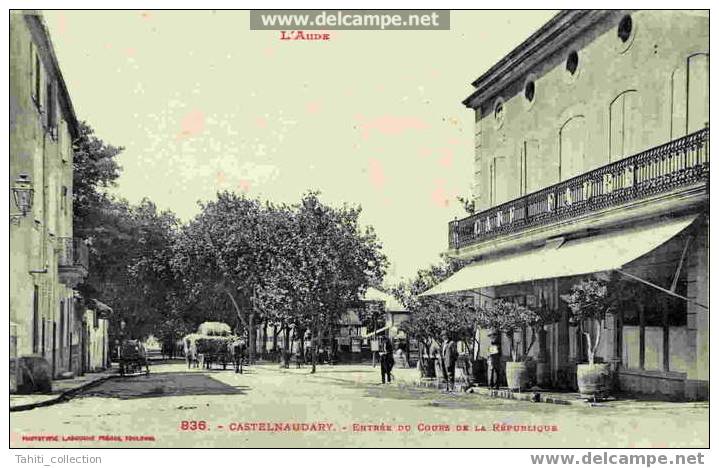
509, 317
546, 316
589, 302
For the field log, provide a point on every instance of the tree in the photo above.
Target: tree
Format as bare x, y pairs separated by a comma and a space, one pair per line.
222, 255
429, 316
95, 168
508, 317
294, 265
130, 252
338, 261
589, 301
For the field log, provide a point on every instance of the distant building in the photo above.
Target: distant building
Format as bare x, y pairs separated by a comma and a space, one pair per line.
592, 156
46, 262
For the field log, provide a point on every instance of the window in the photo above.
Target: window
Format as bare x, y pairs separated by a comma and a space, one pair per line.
657, 304
529, 91
36, 76
625, 125
51, 117
697, 92
653, 325
572, 62
499, 112
62, 323
572, 147
624, 30
35, 319
63, 198
500, 177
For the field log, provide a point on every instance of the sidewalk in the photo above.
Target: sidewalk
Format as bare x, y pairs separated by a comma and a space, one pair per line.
62, 390
364, 374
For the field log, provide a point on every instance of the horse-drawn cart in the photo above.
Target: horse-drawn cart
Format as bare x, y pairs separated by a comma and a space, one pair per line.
214, 345
133, 358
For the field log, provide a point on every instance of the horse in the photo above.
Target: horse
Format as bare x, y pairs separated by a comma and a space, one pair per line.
237, 350
191, 356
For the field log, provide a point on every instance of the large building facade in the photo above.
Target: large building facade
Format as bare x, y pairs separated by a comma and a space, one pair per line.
46, 261
592, 158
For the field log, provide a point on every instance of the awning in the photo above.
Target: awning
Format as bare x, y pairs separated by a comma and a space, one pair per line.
370, 335
575, 257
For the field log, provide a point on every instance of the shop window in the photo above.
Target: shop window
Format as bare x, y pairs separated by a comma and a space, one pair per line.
653, 326
656, 304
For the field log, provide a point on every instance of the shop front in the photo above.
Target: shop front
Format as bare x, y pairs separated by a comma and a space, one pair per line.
656, 341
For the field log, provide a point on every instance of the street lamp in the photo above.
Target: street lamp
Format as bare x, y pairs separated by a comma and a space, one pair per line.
22, 193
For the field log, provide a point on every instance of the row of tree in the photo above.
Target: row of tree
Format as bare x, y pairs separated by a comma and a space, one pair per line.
240, 260
460, 316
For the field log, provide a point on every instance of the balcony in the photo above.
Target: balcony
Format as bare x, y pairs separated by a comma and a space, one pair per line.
673, 167
73, 261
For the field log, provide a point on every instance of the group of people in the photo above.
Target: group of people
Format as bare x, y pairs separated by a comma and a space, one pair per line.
447, 355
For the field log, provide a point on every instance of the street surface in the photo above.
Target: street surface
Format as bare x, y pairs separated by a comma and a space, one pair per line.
340, 406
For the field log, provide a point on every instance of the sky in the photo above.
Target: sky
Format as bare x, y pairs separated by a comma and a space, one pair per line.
202, 104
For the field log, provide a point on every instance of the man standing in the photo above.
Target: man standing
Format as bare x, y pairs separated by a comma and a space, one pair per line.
449, 359
495, 362
386, 360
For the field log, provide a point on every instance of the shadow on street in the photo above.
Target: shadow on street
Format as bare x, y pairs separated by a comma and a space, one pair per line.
162, 384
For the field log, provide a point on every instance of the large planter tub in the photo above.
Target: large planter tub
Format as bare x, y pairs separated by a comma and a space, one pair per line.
594, 379
517, 375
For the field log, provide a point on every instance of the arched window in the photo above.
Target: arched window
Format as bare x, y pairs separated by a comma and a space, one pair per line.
625, 126
697, 92
690, 96
572, 147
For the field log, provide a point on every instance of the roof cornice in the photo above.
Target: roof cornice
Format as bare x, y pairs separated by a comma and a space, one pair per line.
37, 26
520, 61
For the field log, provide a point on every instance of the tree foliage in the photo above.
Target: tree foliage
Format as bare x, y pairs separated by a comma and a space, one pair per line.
589, 301
430, 315
509, 317
239, 261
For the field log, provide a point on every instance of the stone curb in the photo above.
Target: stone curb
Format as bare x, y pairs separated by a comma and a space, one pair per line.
64, 396
507, 394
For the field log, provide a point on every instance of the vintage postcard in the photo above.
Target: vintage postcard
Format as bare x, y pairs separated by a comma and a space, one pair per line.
359, 228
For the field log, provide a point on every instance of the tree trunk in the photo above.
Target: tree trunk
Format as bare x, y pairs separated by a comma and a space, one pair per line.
264, 339
252, 338
288, 349
274, 339
315, 345
512, 346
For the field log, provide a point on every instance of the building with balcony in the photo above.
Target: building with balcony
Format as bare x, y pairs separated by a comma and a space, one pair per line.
592, 157
46, 262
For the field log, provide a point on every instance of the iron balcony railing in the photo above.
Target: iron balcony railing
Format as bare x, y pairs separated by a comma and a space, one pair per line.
678, 163
73, 253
